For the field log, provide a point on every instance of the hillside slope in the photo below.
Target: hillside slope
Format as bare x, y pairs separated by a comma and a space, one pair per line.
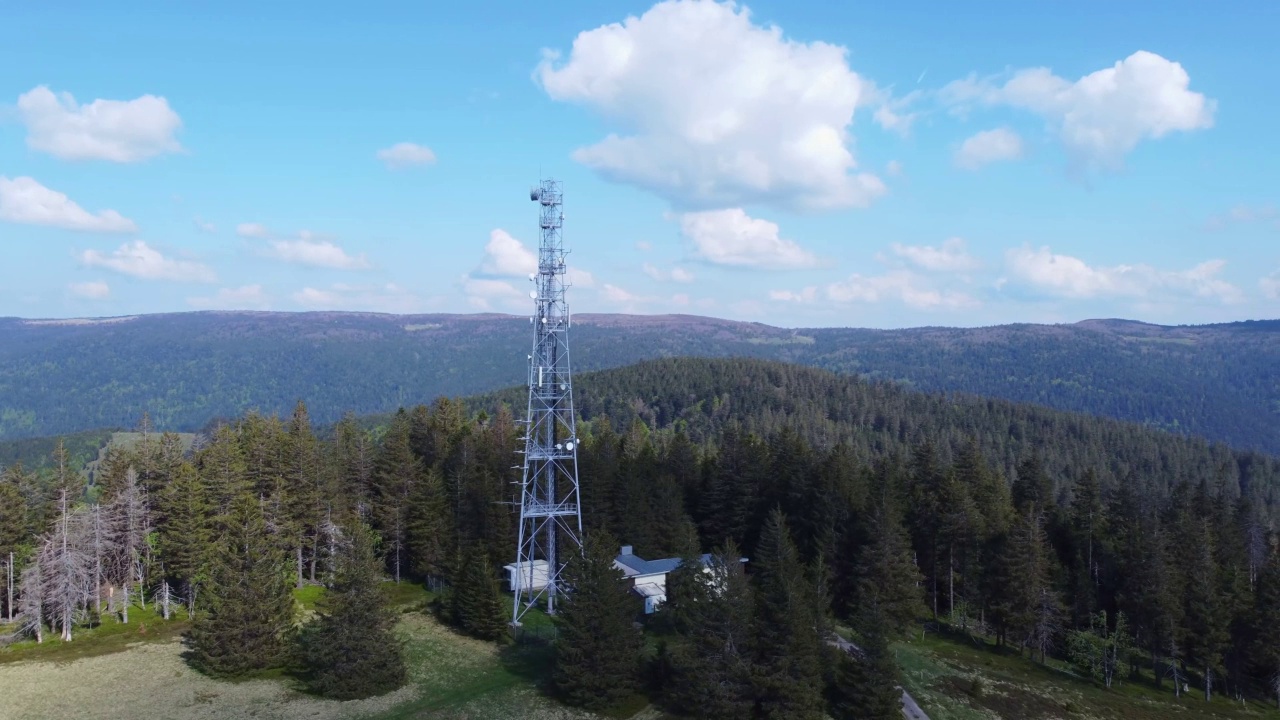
1221, 381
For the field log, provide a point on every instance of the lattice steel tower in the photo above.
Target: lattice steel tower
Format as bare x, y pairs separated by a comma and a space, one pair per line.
550, 514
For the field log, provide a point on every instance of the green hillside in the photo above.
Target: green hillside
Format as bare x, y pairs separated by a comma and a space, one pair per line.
1221, 382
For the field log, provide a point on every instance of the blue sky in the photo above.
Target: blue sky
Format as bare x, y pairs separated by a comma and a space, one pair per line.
794, 163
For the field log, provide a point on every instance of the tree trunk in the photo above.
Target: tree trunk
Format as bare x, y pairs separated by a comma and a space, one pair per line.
951, 579
125, 604
1208, 683
299, 565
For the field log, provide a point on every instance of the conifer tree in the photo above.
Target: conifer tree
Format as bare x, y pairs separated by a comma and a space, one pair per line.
250, 605
597, 658
867, 681
398, 472
477, 607
710, 663
788, 659
350, 651
1265, 624
888, 583
184, 536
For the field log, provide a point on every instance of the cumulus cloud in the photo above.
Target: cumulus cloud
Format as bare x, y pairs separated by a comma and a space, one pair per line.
247, 297
484, 293
580, 278
1271, 285
901, 285
806, 295
987, 147
505, 256
950, 257
93, 290
307, 250
1244, 214
624, 300
140, 260
731, 237
252, 230
1070, 277
675, 274
720, 111
389, 298
406, 154
1105, 114
23, 200
116, 130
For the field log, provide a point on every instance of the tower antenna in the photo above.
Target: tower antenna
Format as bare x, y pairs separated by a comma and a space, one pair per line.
550, 511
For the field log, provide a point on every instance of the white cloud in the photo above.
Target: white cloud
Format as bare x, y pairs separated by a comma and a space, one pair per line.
893, 168
143, 261
680, 299
248, 297
116, 130
580, 278
731, 237
901, 285
505, 256
205, 226
1271, 285
23, 200
675, 274
305, 250
482, 293
950, 257
625, 300
807, 295
1244, 214
722, 111
406, 154
989, 146
93, 290
389, 298
891, 113
1103, 115
1070, 277
252, 230
643, 246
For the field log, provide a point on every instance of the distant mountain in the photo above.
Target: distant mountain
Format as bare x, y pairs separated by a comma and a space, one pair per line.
1221, 382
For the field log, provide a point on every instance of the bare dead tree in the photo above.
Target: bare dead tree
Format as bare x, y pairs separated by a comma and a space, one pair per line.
131, 518
66, 567
30, 598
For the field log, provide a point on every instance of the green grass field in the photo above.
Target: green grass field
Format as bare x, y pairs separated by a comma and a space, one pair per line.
958, 679
137, 670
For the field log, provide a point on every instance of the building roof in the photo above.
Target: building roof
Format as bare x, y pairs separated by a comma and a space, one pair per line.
634, 565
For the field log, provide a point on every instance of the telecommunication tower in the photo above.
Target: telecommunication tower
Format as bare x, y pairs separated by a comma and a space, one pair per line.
550, 512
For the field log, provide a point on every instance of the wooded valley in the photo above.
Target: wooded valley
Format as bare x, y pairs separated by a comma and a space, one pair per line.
866, 511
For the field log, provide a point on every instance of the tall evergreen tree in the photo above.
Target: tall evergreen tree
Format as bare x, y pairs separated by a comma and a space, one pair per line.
477, 606
184, 536
597, 658
350, 650
867, 681
788, 647
888, 581
250, 606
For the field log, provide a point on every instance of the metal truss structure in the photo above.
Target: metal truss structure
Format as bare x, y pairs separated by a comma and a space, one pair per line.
550, 511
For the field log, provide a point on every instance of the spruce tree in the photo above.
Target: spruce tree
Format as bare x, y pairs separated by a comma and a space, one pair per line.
867, 683
597, 657
477, 607
184, 535
888, 582
710, 661
250, 606
788, 659
350, 650
1266, 625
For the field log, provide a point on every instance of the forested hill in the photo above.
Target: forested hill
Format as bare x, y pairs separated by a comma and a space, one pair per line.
1220, 381
703, 398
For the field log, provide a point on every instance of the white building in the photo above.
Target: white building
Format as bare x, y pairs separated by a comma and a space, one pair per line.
648, 578
533, 575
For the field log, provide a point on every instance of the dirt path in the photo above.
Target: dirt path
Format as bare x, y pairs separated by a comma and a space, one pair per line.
910, 709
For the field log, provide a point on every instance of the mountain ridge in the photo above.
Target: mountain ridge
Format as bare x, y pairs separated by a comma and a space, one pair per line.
1220, 381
